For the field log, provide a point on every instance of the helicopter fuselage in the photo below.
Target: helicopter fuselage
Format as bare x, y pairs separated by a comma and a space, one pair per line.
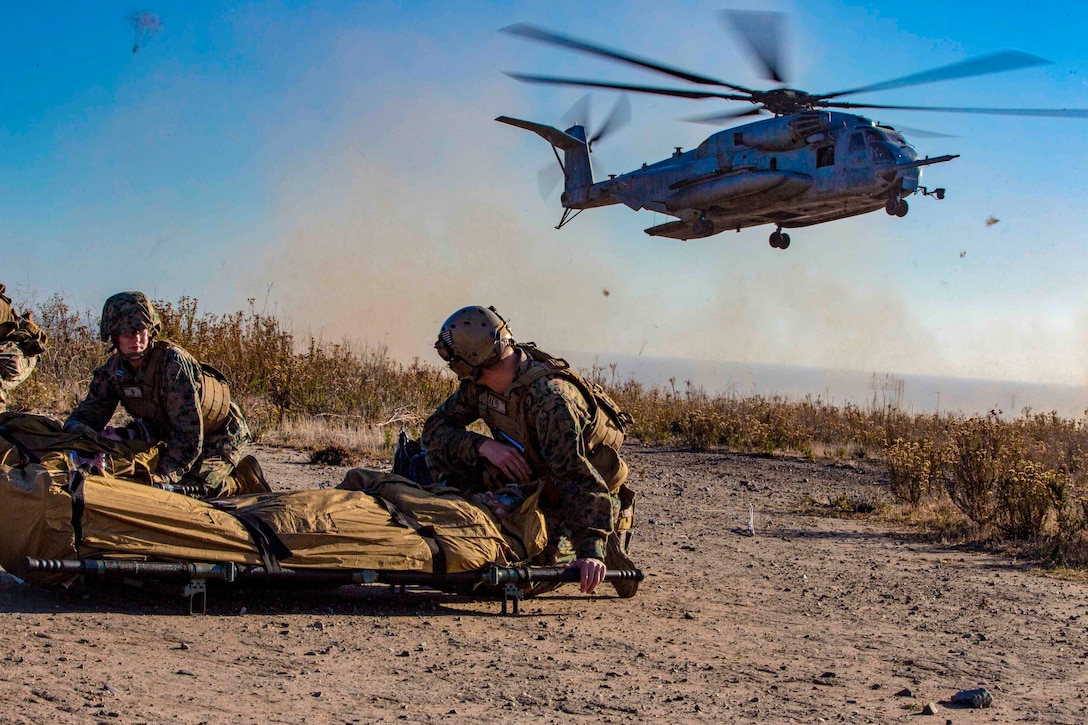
791, 171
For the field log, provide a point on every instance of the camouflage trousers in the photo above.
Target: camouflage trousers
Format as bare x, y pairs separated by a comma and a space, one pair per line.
15, 367
222, 451
216, 475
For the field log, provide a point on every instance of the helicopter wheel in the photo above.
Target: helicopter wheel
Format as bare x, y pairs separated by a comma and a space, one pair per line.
901, 209
892, 207
784, 242
776, 240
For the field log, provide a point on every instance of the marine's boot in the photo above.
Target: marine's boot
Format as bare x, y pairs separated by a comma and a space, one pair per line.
250, 477
617, 557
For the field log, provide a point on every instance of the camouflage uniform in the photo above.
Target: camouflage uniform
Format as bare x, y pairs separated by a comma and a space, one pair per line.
174, 419
576, 503
21, 341
15, 367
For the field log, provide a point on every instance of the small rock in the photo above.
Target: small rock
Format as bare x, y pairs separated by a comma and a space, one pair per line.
974, 698
182, 646
929, 709
185, 672
905, 692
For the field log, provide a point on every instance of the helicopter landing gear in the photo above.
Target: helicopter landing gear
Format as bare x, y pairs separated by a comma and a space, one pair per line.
702, 227
779, 240
896, 207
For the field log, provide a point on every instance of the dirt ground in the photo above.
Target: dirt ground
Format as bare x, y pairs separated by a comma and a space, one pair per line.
813, 619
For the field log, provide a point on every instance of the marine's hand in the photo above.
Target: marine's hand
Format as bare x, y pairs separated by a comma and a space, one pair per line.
592, 573
507, 459
157, 480
9, 365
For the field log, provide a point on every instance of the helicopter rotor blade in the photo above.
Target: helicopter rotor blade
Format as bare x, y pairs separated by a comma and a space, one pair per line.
721, 119
579, 113
920, 132
619, 117
540, 35
1038, 112
994, 63
548, 178
676, 92
762, 33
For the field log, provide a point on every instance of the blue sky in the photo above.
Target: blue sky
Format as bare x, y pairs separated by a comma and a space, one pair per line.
339, 164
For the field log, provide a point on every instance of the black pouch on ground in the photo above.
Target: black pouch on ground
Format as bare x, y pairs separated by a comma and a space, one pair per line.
410, 461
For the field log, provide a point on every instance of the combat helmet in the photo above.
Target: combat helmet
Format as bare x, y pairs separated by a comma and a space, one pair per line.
471, 339
128, 312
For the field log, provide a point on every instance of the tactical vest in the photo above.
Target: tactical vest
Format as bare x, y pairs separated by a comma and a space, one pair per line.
141, 397
7, 312
20, 329
602, 436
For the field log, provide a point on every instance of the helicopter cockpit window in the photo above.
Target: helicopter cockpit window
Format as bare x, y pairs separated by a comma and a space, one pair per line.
825, 156
881, 152
896, 137
857, 143
873, 136
703, 148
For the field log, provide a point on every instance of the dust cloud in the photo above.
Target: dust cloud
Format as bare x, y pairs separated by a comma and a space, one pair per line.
411, 207
788, 316
381, 250
384, 238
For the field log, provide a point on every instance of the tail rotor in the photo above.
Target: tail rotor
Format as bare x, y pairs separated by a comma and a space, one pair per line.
580, 114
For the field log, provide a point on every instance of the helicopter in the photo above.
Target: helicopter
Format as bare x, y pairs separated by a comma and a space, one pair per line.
809, 163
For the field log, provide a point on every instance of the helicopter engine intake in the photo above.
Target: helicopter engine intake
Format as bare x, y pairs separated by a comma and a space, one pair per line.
786, 133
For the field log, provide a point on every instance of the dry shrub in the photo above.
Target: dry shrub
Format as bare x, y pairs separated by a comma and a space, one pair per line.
979, 457
280, 383
64, 369
1023, 478
1027, 495
915, 469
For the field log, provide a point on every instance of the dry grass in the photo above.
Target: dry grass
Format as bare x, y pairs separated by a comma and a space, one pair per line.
1020, 482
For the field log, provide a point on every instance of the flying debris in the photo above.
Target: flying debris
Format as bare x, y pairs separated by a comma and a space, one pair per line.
145, 24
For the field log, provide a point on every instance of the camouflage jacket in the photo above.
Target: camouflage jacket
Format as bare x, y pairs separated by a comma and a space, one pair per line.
175, 419
555, 413
15, 367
